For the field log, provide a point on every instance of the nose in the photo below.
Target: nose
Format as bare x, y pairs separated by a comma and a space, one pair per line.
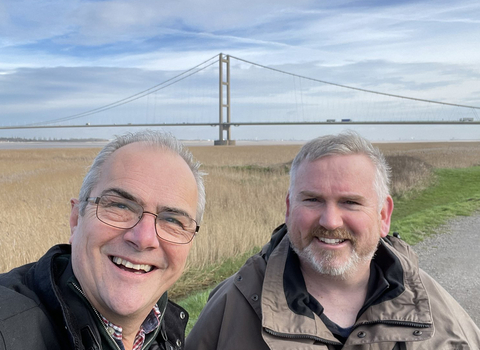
331, 217
143, 235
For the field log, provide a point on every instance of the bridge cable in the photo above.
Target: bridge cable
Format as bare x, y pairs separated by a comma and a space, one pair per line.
354, 88
132, 97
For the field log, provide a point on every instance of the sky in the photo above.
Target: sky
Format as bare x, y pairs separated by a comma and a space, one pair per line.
62, 58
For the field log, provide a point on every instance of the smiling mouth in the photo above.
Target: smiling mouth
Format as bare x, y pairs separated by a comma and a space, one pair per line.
331, 240
129, 266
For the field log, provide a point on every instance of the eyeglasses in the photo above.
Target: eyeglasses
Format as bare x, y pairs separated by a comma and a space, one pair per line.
119, 212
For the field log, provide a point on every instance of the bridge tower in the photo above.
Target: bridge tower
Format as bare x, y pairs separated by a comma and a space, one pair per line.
224, 101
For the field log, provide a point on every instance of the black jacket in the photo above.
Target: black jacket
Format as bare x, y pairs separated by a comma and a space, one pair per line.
39, 310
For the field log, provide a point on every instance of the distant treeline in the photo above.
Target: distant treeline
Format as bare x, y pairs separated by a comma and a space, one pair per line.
47, 139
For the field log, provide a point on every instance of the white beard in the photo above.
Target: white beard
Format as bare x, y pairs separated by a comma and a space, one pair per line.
326, 263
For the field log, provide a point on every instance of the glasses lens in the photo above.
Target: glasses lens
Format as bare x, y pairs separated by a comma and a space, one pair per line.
123, 213
175, 227
119, 212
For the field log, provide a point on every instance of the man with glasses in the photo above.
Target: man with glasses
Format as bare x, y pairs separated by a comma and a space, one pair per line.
131, 230
331, 277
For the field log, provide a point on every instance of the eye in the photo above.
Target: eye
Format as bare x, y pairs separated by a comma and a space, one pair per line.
350, 202
173, 219
118, 204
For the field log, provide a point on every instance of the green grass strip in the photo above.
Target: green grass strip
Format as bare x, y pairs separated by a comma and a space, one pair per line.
194, 305
455, 192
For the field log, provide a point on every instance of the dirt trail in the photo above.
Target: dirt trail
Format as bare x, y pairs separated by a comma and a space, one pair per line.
452, 258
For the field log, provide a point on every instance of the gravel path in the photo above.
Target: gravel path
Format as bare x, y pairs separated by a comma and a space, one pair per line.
452, 258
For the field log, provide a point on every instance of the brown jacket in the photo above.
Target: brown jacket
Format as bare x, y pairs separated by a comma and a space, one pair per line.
249, 311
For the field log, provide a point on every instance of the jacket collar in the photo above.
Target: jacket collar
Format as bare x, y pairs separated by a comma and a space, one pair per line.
278, 317
49, 279
52, 278
413, 298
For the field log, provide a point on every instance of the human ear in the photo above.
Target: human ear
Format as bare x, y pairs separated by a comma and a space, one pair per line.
385, 216
73, 217
287, 202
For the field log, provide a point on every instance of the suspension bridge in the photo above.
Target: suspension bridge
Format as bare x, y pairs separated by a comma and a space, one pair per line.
226, 91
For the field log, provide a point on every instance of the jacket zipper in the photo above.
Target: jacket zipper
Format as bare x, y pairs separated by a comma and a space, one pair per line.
397, 323
96, 313
321, 340
298, 336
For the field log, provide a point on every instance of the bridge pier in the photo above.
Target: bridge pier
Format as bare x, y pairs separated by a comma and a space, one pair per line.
221, 141
224, 64
224, 143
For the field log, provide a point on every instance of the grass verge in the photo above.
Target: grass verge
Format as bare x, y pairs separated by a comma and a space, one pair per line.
455, 192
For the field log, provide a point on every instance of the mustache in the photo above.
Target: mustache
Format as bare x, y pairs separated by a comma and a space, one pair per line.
338, 233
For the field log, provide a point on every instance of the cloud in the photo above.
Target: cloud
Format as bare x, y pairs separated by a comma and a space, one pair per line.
109, 32
97, 52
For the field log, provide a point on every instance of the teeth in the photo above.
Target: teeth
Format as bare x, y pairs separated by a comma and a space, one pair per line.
331, 240
128, 264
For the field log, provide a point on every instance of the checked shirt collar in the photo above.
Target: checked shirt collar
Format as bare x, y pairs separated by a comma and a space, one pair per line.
149, 325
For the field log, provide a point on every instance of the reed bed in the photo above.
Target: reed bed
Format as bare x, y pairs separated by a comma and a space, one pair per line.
35, 187
243, 206
246, 188
449, 155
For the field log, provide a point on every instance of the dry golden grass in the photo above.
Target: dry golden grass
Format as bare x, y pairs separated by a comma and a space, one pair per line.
242, 208
437, 154
245, 155
246, 188
35, 187
413, 163
407, 173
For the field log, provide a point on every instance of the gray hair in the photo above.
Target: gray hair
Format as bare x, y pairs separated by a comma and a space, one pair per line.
158, 139
346, 143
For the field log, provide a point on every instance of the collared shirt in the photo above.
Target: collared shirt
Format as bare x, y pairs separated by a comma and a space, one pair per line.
151, 323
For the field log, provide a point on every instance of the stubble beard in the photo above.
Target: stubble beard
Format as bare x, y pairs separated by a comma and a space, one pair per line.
328, 262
